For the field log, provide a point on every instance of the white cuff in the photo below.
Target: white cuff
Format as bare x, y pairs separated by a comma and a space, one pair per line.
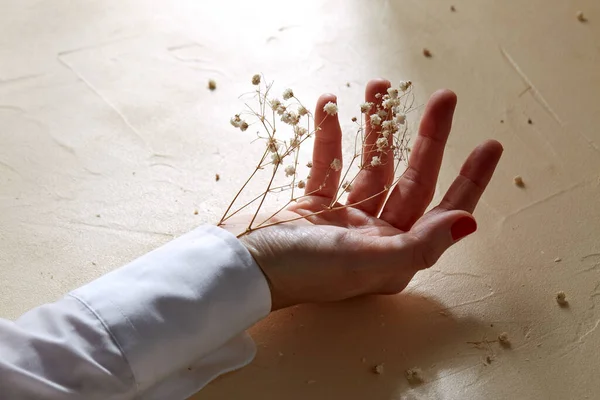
180, 309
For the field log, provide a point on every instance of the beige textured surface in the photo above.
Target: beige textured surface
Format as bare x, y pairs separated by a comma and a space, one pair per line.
109, 140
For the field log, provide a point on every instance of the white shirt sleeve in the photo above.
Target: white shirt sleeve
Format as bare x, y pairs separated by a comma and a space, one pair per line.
160, 327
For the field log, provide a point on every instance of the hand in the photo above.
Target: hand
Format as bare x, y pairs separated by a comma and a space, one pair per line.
375, 246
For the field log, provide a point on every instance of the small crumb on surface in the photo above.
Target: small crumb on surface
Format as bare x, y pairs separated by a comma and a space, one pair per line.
501, 121
364, 359
557, 259
414, 375
452, 8
189, 368
561, 298
212, 84
378, 369
280, 354
518, 180
217, 177
529, 121
503, 339
581, 17
347, 84
310, 382
97, 215
195, 212
489, 358
427, 53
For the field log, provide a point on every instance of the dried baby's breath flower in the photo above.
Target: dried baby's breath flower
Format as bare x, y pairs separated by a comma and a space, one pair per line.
378, 369
375, 161
365, 107
378, 95
300, 131
400, 119
375, 119
256, 79
382, 113
212, 84
330, 108
347, 186
301, 184
309, 164
272, 145
354, 119
238, 122
336, 164
302, 111
276, 158
281, 109
388, 125
288, 94
404, 85
235, 121
393, 93
275, 104
581, 17
390, 103
290, 170
381, 144
290, 117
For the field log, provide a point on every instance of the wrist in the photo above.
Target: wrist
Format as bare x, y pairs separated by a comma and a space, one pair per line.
261, 259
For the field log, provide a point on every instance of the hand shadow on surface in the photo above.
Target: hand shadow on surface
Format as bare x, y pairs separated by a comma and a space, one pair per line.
329, 351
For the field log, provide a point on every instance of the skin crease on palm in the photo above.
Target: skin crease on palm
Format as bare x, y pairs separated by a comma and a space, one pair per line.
374, 247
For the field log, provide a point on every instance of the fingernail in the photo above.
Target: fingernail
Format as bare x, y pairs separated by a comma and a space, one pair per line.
463, 227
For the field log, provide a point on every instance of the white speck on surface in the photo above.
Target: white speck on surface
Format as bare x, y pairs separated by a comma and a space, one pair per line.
561, 298
518, 180
414, 375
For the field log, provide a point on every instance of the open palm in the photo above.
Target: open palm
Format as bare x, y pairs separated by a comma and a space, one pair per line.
377, 244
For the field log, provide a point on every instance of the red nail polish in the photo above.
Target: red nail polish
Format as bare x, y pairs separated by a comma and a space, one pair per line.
463, 227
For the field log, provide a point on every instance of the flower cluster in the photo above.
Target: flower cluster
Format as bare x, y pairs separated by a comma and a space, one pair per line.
284, 124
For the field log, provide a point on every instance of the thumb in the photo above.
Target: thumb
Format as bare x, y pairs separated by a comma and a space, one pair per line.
436, 232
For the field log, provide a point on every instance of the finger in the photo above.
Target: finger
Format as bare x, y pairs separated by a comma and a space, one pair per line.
415, 189
422, 246
434, 235
475, 174
324, 174
372, 180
